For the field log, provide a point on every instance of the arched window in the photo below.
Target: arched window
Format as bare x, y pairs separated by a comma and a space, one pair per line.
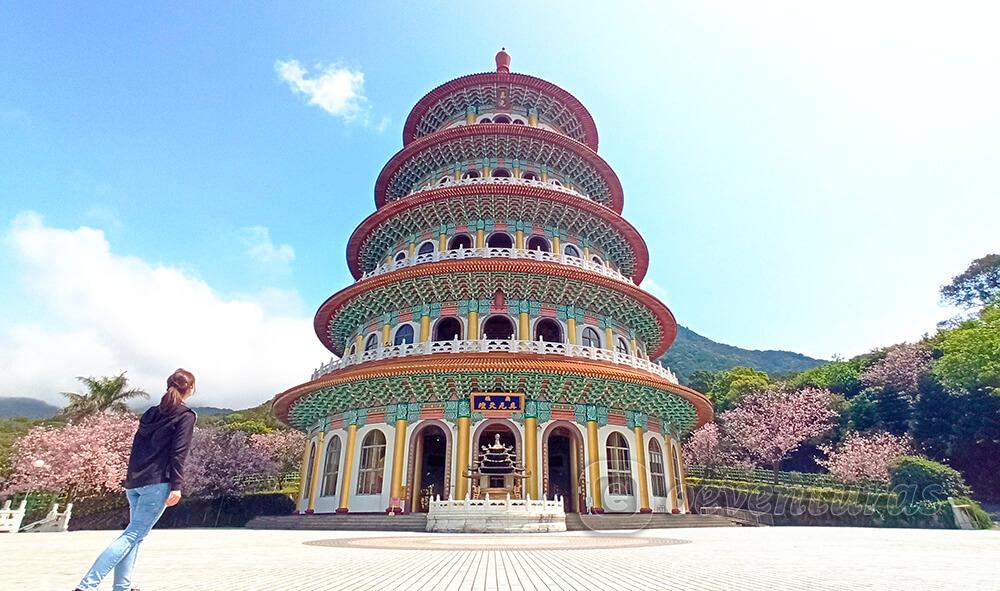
426, 248
501, 119
538, 243
331, 468
371, 343
500, 173
444, 180
621, 346
471, 174
597, 260
572, 251
529, 176
307, 485
619, 466
590, 338
400, 256
548, 330
498, 328
555, 182
656, 472
460, 241
448, 329
486, 120
404, 335
500, 240
372, 464
518, 122
353, 350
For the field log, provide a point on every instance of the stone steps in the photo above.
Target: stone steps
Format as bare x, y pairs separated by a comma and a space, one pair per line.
415, 522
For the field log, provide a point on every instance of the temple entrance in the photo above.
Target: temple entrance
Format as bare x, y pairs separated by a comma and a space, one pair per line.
563, 467
428, 468
503, 482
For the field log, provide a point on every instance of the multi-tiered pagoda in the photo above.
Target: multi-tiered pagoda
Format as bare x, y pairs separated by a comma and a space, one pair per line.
496, 303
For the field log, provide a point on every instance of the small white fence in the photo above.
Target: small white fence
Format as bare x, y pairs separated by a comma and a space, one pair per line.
496, 515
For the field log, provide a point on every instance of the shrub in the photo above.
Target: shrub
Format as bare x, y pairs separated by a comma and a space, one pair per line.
982, 518
918, 479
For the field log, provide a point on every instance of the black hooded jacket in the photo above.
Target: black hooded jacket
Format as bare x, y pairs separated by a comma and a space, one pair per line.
160, 447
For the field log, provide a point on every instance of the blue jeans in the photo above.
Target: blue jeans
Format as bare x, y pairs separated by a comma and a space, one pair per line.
146, 505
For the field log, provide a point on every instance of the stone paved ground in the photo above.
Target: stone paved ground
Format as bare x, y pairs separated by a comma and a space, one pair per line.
724, 558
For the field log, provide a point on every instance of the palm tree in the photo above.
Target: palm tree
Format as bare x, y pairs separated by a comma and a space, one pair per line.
104, 395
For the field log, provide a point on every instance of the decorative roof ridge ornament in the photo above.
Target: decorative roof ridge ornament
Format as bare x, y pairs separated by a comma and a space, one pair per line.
503, 61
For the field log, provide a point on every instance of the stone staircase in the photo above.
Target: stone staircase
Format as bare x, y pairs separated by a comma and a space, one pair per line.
414, 522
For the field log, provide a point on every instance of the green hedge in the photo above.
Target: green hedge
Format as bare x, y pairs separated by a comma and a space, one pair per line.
919, 479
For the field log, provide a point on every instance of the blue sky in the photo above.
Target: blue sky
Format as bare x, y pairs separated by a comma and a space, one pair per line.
805, 175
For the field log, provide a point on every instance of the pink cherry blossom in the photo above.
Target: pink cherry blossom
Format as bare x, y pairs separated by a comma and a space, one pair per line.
901, 368
864, 457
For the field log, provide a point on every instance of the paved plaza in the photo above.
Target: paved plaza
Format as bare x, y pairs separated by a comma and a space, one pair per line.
706, 558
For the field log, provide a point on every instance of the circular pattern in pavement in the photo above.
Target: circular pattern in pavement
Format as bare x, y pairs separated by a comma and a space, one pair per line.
505, 542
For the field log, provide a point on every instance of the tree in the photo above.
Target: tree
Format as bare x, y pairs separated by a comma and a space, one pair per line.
970, 352
284, 448
979, 284
702, 380
901, 369
703, 447
864, 457
83, 459
729, 386
841, 377
104, 395
772, 424
219, 461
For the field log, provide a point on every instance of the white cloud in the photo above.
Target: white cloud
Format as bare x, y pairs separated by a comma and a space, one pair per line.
654, 288
95, 312
263, 251
337, 90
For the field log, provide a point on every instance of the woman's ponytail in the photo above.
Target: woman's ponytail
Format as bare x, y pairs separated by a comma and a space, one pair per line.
180, 385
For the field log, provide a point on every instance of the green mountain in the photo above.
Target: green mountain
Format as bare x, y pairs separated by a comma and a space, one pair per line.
29, 408
691, 352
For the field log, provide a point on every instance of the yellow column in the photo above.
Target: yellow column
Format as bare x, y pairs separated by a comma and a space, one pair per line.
345, 485
531, 455
486, 171
458, 175
571, 331
425, 328
386, 334
413, 249
635, 347
594, 468
480, 238
523, 327
668, 445
473, 321
556, 249
544, 176
303, 485
586, 253
640, 456
398, 458
516, 171
442, 242
470, 118
389, 259
519, 239
462, 459
314, 485
532, 120
359, 343
680, 462
609, 338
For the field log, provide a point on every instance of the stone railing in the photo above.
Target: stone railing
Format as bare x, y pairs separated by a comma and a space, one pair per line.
503, 253
495, 346
495, 180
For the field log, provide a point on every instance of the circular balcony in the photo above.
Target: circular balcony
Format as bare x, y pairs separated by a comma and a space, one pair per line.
498, 253
496, 346
493, 180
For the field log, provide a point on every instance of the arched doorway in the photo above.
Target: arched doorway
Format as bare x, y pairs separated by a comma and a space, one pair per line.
498, 328
538, 243
448, 329
430, 456
485, 435
460, 241
562, 465
500, 240
548, 330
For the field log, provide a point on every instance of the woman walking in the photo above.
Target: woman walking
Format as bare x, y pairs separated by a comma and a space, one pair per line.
154, 479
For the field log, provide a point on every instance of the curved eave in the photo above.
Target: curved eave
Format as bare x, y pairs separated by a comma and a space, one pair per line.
603, 212
448, 88
500, 362
457, 133
334, 303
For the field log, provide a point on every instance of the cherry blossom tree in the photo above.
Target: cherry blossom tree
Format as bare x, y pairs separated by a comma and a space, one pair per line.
284, 448
772, 424
221, 459
864, 457
900, 370
83, 459
703, 447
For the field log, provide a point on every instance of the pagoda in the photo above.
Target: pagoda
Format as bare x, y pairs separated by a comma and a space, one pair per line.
496, 308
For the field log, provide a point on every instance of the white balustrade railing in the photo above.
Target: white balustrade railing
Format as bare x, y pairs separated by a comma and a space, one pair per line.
503, 253
495, 346
499, 180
